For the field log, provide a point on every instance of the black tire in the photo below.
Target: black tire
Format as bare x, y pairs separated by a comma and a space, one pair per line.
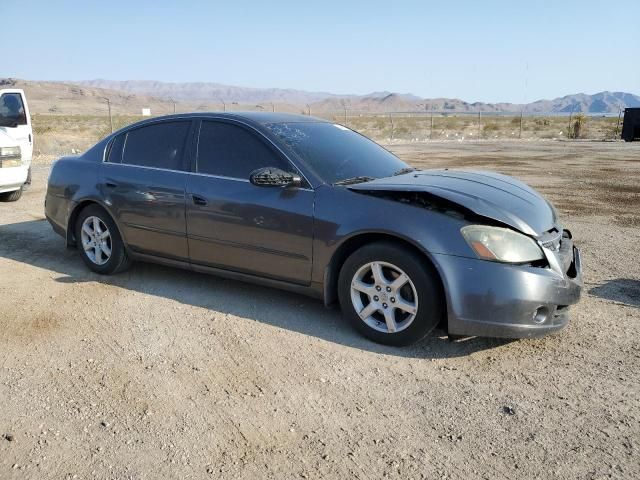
11, 196
430, 301
119, 260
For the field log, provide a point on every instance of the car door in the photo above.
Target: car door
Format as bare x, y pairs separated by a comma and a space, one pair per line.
143, 181
17, 121
233, 224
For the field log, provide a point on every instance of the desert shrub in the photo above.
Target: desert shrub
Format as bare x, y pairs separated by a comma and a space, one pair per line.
610, 128
489, 128
578, 125
40, 129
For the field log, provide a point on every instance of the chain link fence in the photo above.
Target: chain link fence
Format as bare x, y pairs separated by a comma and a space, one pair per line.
400, 127
59, 134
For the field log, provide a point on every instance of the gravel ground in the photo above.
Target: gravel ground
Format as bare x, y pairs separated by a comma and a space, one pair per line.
162, 373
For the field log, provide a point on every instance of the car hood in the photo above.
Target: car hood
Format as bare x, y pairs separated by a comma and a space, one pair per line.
488, 194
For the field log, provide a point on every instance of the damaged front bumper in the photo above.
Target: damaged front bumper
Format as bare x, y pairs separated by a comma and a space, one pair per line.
493, 299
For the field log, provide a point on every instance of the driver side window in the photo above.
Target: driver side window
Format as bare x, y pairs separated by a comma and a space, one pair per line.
228, 150
11, 107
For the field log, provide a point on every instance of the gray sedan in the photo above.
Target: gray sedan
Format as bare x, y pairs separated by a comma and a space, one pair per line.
307, 205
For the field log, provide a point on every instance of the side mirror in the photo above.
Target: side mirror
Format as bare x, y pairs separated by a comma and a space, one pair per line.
274, 177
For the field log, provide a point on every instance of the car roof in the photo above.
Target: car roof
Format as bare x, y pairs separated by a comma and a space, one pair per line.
260, 118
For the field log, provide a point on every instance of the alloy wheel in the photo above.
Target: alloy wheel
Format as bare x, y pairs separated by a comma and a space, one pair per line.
384, 297
96, 240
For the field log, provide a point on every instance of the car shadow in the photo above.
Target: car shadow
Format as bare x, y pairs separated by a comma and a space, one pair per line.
622, 290
34, 243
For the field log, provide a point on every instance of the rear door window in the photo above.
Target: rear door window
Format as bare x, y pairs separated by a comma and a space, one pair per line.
114, 155
160, 145
229, 150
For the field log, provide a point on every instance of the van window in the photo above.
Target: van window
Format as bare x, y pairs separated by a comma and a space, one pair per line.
228, 150
160, 145
12, 111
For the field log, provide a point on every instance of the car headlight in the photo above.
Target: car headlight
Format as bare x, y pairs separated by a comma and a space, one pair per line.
10, 152
501, 244
10, 157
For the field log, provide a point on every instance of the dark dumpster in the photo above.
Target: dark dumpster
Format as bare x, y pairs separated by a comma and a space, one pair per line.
631, 125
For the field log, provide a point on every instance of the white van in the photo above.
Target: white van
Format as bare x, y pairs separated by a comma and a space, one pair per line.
16, 144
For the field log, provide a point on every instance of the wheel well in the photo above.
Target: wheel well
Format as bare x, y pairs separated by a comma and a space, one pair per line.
353, 244
71, 238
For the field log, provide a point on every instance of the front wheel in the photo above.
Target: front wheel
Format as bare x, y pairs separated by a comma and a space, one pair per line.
390, 294
99, 241
11, 196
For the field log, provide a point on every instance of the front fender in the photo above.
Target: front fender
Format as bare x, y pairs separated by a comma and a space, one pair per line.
341, 215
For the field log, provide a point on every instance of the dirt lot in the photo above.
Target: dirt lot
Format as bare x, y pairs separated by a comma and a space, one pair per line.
161, 373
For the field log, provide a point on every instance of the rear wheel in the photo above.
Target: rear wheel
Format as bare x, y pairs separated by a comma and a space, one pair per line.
390, 294
99, 241
11, 196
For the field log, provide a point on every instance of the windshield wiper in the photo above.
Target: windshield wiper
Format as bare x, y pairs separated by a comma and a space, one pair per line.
352, 180
404, 170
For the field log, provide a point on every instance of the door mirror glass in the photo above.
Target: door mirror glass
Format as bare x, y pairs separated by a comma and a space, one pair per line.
274, 177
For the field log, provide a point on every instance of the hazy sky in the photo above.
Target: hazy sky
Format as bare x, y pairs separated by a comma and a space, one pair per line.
475, 50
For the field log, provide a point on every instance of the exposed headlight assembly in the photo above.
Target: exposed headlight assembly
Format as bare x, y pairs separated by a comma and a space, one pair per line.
501, 244
10, 157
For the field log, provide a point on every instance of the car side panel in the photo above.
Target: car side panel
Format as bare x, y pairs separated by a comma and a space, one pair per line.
72, 180
265, 231
341, 214
149, 206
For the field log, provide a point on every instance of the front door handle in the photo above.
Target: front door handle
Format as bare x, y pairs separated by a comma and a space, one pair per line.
198, 200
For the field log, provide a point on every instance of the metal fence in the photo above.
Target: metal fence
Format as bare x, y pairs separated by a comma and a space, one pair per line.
466, 126
61, 132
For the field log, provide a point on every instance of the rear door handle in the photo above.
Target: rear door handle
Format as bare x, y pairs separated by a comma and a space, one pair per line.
110, 185
198, 200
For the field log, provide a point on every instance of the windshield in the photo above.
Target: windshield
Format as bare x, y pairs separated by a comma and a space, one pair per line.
12, 111
337, 153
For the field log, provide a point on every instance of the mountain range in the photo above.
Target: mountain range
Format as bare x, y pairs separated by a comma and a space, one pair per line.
129, 97
602, 102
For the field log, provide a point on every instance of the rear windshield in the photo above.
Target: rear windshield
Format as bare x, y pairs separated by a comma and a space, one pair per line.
335, 152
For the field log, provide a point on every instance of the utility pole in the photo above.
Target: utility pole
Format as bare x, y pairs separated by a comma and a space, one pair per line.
520, 134
224, 105
344, 108
426, 109
109, 107
273, 107
174, 105
391, 120
308, 110
431, 132
479, 123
